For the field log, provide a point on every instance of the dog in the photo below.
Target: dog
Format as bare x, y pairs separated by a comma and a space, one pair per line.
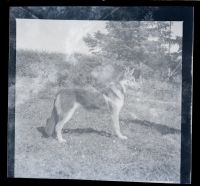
67, 101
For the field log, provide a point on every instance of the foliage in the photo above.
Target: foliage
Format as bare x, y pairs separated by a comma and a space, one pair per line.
55, 68
134, 43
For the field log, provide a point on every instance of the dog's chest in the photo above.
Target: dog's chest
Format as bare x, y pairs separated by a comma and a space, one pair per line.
115, 93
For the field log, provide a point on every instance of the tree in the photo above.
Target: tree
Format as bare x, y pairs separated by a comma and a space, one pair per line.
133, 43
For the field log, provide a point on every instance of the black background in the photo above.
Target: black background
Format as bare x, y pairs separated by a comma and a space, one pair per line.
173, 14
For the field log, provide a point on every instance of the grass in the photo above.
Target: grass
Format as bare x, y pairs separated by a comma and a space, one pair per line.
92, 151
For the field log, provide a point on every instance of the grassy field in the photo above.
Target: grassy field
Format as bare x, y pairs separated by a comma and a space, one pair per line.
151, 122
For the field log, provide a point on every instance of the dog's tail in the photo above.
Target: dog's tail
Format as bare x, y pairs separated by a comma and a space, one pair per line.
51, 123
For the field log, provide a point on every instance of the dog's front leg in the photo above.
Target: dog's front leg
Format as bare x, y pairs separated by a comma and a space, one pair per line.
115, 119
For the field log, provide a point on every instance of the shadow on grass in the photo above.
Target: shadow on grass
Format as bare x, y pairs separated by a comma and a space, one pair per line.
76, 131
163, 129
86, 131
44, 134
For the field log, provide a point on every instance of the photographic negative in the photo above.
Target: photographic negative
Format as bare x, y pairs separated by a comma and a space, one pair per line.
97, 99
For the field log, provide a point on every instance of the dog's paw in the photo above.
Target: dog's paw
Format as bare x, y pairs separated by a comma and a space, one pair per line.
62, 140
123, 137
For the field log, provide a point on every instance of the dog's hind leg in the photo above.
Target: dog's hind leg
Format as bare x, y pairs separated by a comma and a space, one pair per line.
65, 119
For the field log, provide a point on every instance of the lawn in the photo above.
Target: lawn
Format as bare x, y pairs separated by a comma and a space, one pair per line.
92, 151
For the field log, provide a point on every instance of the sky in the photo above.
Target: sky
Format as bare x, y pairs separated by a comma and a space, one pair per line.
63, 36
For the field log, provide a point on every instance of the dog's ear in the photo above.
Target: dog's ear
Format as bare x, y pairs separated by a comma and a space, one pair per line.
129, 71
132, 71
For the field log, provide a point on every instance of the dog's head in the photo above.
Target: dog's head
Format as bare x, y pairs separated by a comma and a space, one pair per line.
129, 79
